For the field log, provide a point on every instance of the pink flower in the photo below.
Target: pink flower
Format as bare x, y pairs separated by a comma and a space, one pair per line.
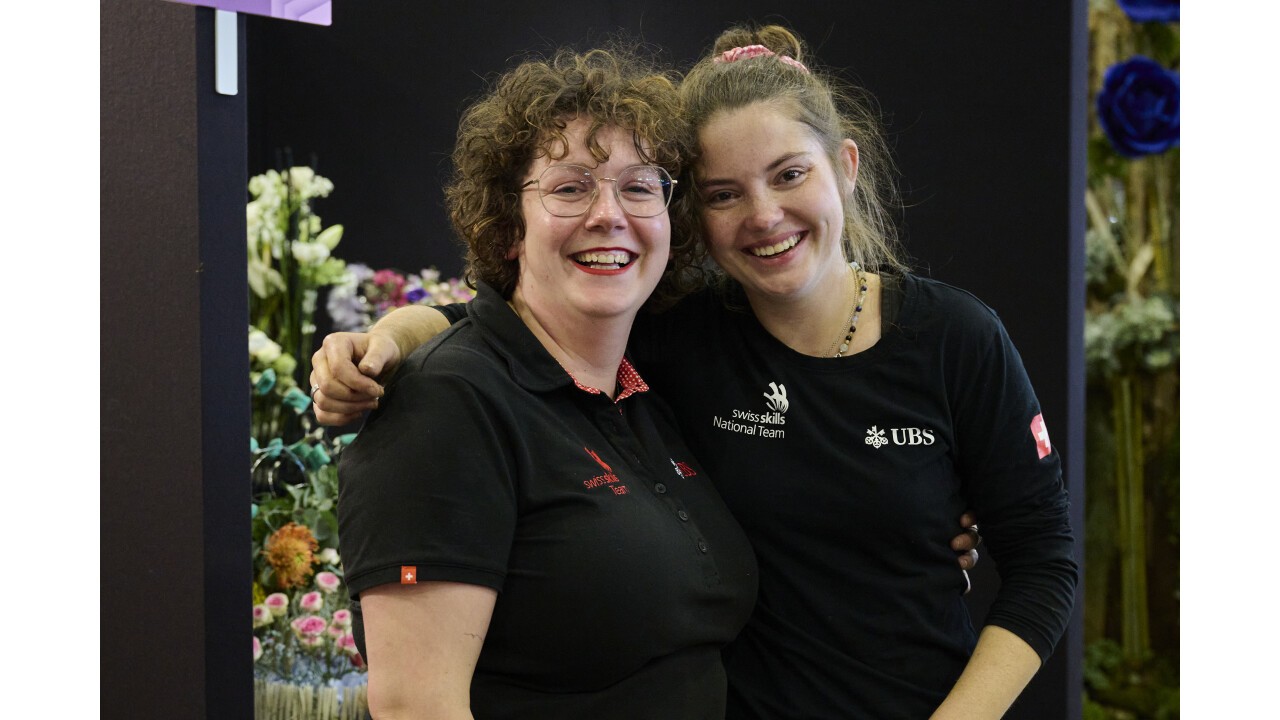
277, 603
309, 626
257, 648
328, 582
311, 642
342, 618
335, 632
262, 616
311, 602
347, 644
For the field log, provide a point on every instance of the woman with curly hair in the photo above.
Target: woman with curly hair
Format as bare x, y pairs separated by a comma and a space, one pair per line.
523, 531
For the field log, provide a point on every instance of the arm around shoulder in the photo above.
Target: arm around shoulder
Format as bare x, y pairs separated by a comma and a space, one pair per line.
411, 326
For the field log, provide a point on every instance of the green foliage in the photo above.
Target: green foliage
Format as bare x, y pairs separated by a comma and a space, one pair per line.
1132, 348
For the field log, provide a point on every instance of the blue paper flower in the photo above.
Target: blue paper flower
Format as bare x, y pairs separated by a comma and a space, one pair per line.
1150, 10
1138, 107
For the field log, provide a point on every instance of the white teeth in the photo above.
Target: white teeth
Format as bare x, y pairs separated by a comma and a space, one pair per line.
775, 249
617, 257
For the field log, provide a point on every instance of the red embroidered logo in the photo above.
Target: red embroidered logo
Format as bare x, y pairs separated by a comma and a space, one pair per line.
408, 574
683, 469
1041, 434
596, 457
608, 479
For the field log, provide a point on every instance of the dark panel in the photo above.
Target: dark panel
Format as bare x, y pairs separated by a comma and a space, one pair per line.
174, 526
152, 515
224, 373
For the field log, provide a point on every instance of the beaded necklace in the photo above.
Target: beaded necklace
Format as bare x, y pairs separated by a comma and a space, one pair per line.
860, 279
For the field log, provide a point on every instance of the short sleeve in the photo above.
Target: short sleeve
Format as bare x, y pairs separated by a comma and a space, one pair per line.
428, 483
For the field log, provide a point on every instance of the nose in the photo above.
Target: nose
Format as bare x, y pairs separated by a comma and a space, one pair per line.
605, 212
764, 211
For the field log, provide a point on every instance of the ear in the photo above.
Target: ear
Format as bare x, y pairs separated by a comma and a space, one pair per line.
513, 252
849, 161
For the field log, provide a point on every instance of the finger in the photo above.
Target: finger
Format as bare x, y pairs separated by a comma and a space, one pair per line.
336, 420
381, 356
338, 375
968, 519
965, 541
331, 389
969, 560
332, 412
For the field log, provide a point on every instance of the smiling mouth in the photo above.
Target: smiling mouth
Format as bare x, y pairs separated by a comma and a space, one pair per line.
777, 248
612, 260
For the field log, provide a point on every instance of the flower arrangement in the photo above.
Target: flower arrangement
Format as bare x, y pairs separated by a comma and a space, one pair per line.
303, 647
364, 295
1132, 355
289, 252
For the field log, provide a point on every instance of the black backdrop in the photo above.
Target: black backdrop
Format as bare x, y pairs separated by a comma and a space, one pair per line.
983, 104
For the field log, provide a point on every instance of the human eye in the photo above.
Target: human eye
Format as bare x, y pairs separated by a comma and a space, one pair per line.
719, 198
569, 189
567, 182
642, 183
792, 176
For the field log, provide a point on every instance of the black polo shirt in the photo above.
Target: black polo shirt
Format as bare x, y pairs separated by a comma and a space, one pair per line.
621, 572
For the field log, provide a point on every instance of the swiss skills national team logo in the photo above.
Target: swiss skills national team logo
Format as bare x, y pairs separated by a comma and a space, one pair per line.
605, 479
766, 424
1041, 434
777, 398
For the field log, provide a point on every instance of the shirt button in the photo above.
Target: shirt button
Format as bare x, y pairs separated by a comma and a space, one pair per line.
702, 545
682, 515
660, 488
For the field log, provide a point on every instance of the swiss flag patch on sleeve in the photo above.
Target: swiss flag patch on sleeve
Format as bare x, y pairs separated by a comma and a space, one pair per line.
1041, 434
408, 574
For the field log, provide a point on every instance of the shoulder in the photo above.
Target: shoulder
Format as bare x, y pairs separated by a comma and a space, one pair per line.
936, 305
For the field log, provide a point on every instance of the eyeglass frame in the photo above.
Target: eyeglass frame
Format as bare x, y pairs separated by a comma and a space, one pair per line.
595, 193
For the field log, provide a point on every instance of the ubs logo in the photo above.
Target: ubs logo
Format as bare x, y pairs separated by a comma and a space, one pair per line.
900, 436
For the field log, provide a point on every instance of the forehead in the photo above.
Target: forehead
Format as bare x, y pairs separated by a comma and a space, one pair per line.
616, 145
751, 137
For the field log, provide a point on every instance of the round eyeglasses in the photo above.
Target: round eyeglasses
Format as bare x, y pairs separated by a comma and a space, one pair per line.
569, 190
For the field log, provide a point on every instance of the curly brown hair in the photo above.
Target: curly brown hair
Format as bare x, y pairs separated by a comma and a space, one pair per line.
831, 110
524, 116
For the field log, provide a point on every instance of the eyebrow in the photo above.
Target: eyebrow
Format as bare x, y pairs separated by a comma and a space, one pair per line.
782, 160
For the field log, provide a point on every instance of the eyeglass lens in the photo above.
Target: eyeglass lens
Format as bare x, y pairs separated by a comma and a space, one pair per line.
641, 190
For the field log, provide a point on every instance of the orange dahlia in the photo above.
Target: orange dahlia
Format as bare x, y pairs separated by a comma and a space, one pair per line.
291, 553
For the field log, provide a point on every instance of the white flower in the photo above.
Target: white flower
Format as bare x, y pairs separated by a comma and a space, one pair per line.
262, 348
328, 556
310, 253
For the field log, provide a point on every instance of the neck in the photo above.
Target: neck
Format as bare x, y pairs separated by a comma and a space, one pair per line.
589, 348
808, 323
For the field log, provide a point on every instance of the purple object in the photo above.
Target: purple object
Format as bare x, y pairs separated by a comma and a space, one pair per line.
316, 12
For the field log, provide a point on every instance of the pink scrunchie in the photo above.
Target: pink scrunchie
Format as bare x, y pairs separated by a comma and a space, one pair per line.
751, 51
